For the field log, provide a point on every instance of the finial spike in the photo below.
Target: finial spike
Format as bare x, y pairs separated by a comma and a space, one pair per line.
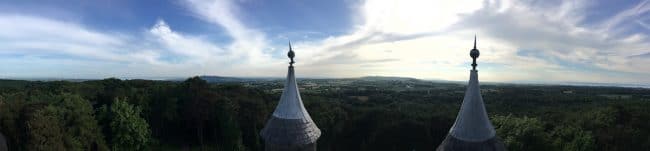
291, 54
474, 41
290, 46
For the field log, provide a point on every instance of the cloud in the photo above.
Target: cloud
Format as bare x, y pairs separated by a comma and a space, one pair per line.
640, 56
632, 14
248, 44
25, 34
519, 41
567, 41
32, 43
191, 49
563, 43
41, 47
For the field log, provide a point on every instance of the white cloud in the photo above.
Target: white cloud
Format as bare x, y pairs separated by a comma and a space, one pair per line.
413, 16
193, 49
519, 41
42, 47
248, 44
631, 14
429, 42
33, 35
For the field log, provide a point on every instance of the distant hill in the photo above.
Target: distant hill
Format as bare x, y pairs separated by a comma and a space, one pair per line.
20, 82
219, 79
386, 78
5, 83
222, 79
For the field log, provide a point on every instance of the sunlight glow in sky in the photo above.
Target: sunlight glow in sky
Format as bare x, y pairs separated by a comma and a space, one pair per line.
528, 40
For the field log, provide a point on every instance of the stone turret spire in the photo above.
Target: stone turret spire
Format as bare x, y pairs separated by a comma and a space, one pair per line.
290, 128
472, 130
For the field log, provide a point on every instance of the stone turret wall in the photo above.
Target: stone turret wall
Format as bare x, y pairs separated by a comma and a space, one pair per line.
290, 131
453, 144
3, 143
306, 147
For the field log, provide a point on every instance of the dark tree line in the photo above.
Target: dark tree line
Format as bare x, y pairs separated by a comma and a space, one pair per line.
113, 114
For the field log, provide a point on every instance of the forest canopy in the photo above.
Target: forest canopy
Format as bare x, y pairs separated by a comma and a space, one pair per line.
114, 114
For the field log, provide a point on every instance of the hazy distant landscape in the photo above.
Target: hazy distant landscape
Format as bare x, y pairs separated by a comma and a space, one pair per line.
228, 79
370, 113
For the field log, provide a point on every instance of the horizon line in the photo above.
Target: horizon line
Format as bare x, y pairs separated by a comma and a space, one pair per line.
180, 78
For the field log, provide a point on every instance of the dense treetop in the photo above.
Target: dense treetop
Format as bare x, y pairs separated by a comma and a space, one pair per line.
353, 114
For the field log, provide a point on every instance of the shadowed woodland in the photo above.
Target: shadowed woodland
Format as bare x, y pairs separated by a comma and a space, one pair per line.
113, 114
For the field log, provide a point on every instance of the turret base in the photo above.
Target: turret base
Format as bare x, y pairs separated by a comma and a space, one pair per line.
453, 144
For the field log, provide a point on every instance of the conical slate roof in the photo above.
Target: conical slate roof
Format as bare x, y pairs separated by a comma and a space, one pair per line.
472, 122
290, 125
472, 129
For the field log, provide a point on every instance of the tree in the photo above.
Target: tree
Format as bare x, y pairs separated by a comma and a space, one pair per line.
10, 119
198, 105
572, 138
44, 130
226, 120
82, 131
130, 131
112, 88
212, 117
51, 123
521, 133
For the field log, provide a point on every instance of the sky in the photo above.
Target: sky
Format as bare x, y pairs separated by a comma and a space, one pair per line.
599, 41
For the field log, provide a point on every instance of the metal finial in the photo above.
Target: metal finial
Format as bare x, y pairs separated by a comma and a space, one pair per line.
474, 41
474, 53
291, 54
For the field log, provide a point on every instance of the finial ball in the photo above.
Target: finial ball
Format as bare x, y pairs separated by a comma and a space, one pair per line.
291, 54
474, 53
